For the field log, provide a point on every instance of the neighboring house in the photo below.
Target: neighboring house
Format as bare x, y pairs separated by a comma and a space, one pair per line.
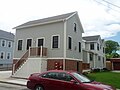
46, 44
94, 52
6, 50
113, 64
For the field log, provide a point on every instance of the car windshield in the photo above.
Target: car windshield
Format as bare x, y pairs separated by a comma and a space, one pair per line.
82, 78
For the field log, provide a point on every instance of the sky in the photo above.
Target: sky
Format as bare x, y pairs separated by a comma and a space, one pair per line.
98, 17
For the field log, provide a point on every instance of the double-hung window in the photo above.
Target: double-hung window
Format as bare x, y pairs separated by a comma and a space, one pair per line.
8, 56
9, 44
75, 27
91, 56
79, 46
69, 43
91, 46
20, 43
3, 43
2, 55
55, 42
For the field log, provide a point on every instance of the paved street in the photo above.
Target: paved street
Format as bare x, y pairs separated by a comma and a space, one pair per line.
4, 86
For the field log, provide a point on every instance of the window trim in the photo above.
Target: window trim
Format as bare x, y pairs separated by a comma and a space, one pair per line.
7, 55
58, 41
2, 43
91, 56
3, 55
8, 44
80, 47
75, 27
91, 46
68, 42
22, 44
98, 46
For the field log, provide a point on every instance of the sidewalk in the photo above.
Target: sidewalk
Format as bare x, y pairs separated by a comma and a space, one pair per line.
5, 77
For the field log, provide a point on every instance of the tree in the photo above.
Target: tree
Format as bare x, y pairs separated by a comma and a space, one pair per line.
111, 48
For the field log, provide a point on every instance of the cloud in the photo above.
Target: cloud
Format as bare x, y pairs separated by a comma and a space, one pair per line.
106, 24
95, 17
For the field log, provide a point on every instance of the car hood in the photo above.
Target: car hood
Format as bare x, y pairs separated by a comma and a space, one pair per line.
98, 85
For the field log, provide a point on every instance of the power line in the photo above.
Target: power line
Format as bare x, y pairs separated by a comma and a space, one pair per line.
107, 6
111, 4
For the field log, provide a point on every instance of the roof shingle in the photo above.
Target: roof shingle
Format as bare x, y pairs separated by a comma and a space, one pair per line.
45, 20
91, 38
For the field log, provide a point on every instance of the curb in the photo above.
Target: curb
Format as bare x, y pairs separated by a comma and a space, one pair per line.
12, 83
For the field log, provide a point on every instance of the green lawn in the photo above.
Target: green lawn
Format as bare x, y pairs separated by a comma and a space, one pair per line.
110, 78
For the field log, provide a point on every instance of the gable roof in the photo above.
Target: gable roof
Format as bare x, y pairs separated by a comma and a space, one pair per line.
46, 20
91, 38
6, 35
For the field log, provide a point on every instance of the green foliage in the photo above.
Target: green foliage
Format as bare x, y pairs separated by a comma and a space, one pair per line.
110, 78
111, 48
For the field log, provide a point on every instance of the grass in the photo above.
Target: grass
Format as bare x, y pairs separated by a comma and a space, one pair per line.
110, 78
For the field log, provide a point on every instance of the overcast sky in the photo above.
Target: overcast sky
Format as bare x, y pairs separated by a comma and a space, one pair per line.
97, 16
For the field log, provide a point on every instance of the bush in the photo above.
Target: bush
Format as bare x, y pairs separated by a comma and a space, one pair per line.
96, 70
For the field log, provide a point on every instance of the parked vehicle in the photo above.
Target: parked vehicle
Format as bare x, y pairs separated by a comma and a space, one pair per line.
63, 80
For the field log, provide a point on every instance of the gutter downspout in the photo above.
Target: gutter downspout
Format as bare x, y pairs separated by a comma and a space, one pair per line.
65, 44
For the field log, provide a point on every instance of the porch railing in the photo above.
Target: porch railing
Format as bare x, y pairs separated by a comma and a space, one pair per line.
38, 51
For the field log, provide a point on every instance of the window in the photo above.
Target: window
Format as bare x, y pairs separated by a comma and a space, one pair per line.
74, 27
58, 75
55, 41
3, 43
20, 42
64, 77
97, 46
91, 56
69, 43
103, 50
79, 46
9, 44
2, 55
52, 75
91, 46
99, 58
8, 56
29, 43
103, 60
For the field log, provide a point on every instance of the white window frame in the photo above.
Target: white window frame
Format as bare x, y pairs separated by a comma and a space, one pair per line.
22, 44
7, 55
26, 43
43, 42
58, 41
75, 26
10, 44
3, 55
68, 42
2, 43
80, 47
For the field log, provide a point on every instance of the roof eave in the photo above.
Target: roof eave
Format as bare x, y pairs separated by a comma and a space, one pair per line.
20, 27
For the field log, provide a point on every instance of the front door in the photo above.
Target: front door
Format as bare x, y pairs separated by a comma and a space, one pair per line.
40, 42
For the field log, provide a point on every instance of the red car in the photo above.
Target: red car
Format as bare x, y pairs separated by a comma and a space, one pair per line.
63, 80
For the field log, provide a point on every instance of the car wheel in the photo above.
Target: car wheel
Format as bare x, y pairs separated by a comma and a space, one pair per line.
39, 87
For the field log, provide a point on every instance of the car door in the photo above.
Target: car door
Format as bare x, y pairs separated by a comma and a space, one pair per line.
51, 81
67, 82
